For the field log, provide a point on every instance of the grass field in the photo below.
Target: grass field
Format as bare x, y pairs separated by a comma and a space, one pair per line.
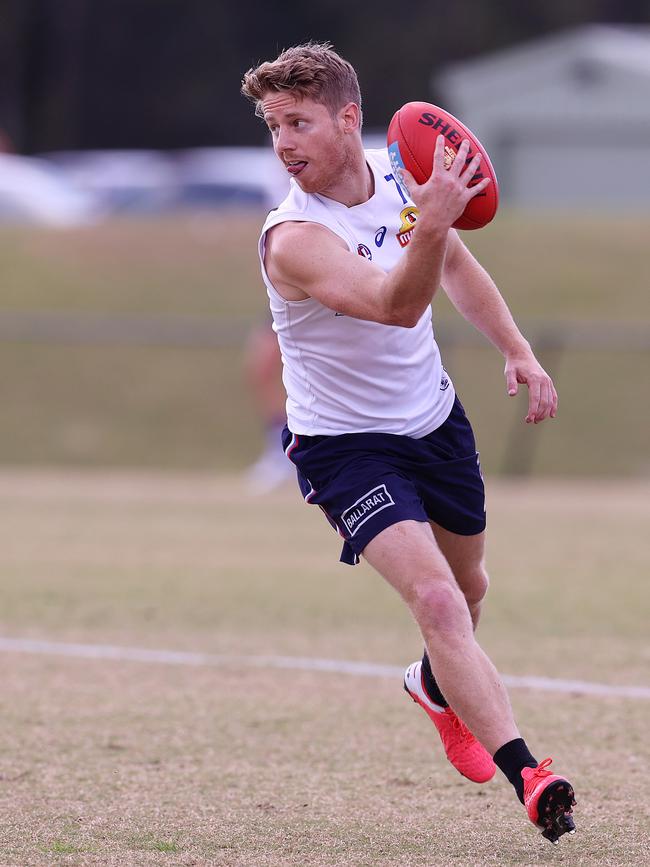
189, 407
115, 762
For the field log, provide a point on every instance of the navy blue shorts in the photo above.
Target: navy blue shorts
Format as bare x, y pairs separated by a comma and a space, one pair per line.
365, 482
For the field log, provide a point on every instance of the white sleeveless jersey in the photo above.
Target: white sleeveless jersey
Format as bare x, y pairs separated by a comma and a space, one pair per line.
347, 375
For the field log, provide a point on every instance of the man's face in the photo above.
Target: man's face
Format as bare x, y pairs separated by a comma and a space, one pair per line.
308, 141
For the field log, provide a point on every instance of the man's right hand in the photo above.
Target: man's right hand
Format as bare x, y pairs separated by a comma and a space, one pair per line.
444, 196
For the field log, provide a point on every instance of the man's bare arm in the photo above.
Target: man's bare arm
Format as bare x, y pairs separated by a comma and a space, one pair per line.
476, 297
304, 259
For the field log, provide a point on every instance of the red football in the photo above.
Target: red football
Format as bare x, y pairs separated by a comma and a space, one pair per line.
412, 138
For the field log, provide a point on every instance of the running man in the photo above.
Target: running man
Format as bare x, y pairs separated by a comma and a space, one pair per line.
379, 438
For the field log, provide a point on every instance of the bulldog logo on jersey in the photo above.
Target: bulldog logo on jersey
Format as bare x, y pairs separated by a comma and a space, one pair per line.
364, 251
408, 216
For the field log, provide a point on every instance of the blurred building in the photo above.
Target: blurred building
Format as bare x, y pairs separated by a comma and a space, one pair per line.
565, 119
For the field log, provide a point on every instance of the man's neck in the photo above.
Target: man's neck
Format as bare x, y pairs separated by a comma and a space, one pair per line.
356, 185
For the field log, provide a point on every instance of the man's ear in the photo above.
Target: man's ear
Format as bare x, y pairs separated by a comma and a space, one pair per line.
350, 117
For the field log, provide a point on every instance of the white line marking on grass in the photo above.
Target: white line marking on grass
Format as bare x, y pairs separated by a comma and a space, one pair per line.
294, 663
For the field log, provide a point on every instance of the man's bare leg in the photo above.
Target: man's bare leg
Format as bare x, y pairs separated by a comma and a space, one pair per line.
466, 558
409, 558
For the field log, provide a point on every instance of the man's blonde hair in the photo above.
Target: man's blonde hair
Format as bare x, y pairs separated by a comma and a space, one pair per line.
313, 71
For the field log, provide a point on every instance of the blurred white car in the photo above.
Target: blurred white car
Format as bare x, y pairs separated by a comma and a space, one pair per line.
75, 187
226, 177
122, 181
33, 191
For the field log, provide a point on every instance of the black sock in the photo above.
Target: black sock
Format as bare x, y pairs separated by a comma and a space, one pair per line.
430, 685
511, 758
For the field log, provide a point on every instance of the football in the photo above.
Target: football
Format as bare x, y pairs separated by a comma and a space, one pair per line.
412, 136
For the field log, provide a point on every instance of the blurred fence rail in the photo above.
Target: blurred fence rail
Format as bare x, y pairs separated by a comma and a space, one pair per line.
121, 330
123, 344
169, 390
199, 331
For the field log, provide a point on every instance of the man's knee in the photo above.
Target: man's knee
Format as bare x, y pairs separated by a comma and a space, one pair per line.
438, 605
476, 584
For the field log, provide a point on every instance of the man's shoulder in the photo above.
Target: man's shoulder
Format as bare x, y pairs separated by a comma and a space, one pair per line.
293, 234
297, 206
304, 218
295, 200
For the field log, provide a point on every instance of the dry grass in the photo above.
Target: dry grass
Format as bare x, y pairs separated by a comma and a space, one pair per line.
117, 761
194, 265
121, 763
167, 406
564, 266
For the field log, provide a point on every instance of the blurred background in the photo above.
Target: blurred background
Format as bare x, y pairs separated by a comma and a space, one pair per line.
139, 389
134, 179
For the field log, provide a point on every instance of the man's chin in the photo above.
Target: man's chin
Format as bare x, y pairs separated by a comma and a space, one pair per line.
306, 186
309, 183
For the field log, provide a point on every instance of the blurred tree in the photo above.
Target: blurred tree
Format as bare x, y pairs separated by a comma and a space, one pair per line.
40, 44
166, 73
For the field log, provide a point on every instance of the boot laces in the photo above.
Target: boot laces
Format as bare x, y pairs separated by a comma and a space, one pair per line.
461, 728
540, 770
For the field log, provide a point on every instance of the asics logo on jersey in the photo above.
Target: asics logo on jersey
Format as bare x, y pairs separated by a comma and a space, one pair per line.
380, 234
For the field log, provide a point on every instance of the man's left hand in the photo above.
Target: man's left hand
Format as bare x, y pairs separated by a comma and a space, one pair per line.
542, 396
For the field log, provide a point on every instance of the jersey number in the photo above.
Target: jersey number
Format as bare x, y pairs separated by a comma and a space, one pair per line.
399, 189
